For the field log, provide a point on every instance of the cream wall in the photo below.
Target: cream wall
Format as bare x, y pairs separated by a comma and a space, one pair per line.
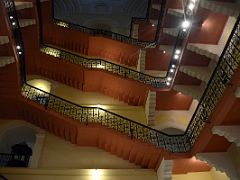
217, 175
58, 153
210, 175
135, 113
84, 174
193, 176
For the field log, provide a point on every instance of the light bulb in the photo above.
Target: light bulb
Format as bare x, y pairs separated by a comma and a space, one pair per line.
185, 24
177, 51
191, 6
176, 56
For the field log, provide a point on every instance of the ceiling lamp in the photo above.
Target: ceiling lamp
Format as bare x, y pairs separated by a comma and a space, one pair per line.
185, 24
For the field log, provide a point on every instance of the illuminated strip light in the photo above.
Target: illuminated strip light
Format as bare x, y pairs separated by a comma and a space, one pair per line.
189, 10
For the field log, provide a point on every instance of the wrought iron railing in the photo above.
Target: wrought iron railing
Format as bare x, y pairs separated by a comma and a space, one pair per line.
13, 160
95, 63
227, 65
89, 115
116, 36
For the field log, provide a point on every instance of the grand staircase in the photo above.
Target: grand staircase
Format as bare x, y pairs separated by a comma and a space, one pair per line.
137, 143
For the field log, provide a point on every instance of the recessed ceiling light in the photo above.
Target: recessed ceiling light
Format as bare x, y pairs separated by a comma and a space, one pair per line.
176, 56
178, 51
185, 24
191, 6
169, 78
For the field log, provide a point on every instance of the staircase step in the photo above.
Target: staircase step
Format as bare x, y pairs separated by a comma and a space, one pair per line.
4, 40
231, 133
167, 48
176, 12
5, 60
193, 91
202, 73
210, 51
26, 22
214, 51
153, 21
171, 31
156, 6
141, 60
229, 9
135, 31
23, 5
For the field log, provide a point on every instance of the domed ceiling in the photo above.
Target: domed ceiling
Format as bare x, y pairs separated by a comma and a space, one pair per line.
112, 15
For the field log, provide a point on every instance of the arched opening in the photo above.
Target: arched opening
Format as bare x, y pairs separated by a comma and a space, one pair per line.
16, 145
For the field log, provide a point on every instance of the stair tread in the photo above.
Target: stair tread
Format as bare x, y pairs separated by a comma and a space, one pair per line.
26, 22
4, 40
6, 57
167, 48
5, 60
209, 50
176, 12
203, 73
230, 9
156, 6
195, 91
23, 5
171, 31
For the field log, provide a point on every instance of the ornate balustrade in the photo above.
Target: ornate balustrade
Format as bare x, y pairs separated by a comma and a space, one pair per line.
116, 36
94, 63
89, 115
227, 66
13, 160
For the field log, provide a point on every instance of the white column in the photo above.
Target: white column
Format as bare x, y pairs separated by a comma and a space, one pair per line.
164, 171
150, 107
141, 60
37, 150
135, 31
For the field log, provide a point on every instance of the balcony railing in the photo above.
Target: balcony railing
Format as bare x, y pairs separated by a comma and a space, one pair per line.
89, 115
227, 65
13, 160
116, 36
97, 63
94, 63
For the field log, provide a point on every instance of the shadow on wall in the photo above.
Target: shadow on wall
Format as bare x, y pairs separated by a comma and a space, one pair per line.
16, 135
